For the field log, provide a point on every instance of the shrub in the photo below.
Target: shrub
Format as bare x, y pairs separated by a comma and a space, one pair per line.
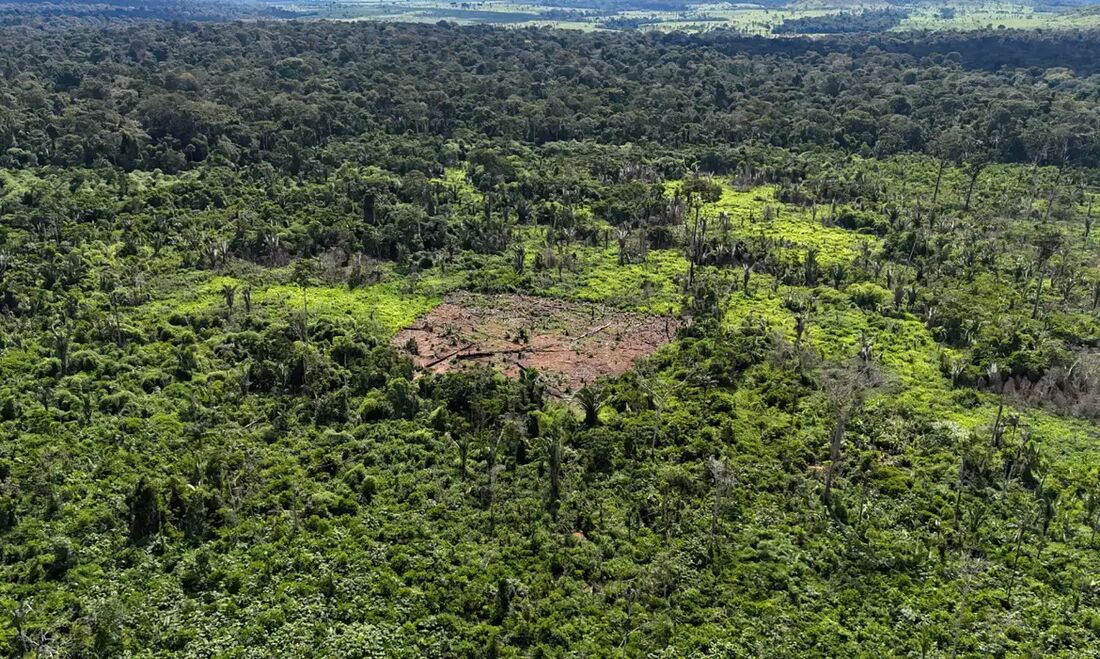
868, 296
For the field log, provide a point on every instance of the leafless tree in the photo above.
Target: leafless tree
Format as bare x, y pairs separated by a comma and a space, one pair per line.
846, 389
724, 479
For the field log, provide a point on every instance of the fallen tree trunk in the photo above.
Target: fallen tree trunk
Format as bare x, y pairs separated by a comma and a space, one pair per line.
588, 334
447, 356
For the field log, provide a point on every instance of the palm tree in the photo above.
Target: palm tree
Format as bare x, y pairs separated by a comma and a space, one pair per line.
622, 233
229, 292
592, 399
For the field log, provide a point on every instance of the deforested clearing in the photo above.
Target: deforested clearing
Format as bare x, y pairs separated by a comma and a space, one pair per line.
570, 343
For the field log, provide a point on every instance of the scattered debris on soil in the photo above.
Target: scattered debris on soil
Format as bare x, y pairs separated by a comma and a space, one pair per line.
571, 343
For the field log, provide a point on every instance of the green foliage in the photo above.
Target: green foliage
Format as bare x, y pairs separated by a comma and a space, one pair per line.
873, 434
868, 296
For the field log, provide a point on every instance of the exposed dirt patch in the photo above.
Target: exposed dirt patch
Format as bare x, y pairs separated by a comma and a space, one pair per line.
571, 343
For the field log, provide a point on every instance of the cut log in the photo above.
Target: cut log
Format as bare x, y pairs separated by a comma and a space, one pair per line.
595, 331
447, 356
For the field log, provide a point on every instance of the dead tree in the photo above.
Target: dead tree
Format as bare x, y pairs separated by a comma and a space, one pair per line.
846, 389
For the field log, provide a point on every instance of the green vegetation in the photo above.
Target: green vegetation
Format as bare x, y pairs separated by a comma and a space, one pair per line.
765, 18
881, 20
874, 434
768, 18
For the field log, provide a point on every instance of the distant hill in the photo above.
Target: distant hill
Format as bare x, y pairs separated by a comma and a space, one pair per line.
955, 4
144, 9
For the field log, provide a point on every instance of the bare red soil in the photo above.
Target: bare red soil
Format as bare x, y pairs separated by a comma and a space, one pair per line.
571, 343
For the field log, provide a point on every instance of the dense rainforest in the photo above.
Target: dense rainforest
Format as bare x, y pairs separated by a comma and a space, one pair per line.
867, 428
167, 95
